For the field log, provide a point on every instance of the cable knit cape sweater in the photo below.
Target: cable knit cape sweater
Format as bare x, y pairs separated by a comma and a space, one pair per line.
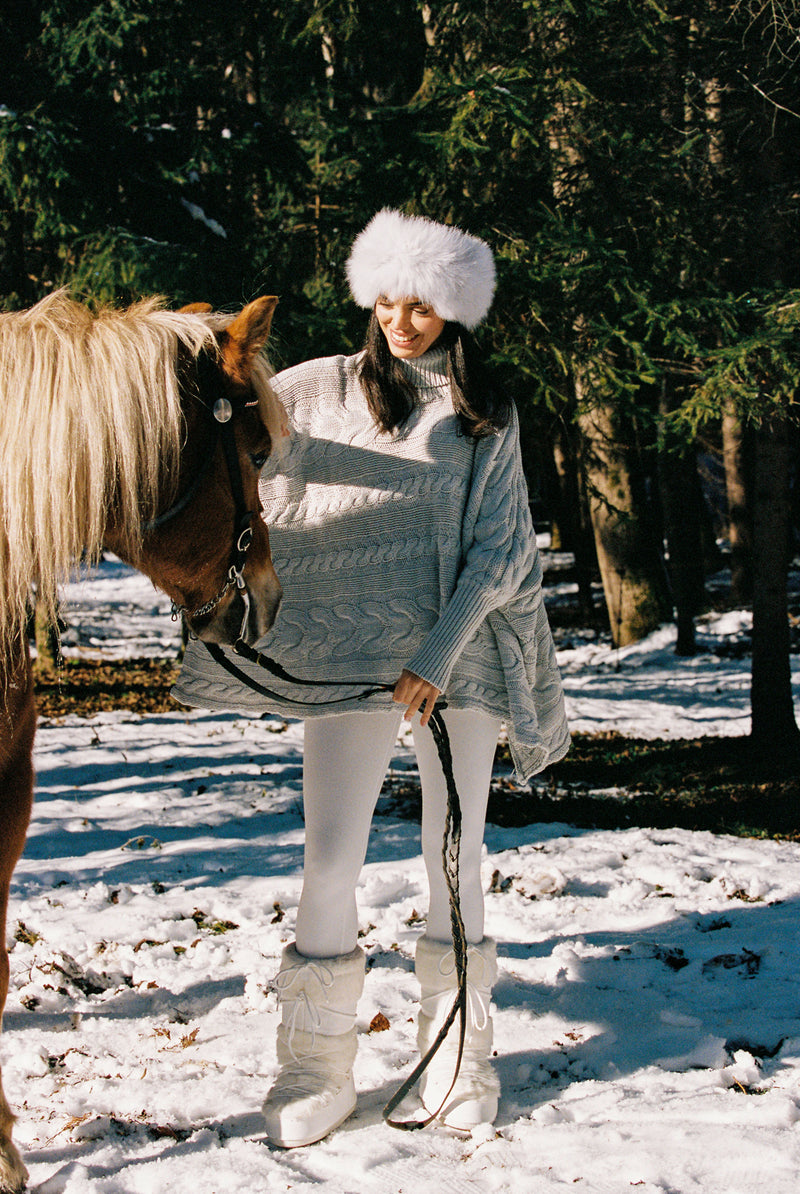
412, 549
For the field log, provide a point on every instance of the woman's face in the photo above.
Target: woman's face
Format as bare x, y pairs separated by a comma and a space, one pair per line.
410, 327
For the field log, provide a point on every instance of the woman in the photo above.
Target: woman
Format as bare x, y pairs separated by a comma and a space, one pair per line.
402, 536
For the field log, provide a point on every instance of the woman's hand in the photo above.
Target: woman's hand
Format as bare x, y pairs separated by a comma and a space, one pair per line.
414, 692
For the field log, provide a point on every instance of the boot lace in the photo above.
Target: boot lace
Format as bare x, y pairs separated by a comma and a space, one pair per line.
313, 980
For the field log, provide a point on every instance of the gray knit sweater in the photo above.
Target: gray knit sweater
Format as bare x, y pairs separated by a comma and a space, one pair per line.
413, 549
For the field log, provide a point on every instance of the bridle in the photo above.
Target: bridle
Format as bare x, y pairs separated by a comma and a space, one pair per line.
222, 413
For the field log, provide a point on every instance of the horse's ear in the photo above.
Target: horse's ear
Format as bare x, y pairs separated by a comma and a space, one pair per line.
245, 336
195, 309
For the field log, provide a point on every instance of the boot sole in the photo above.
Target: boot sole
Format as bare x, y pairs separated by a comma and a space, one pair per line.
464, 1117
292, 1137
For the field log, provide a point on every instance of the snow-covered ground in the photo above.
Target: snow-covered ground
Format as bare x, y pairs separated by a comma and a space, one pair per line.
647, 1022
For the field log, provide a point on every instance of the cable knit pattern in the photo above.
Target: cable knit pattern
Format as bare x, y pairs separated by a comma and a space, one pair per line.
413, 549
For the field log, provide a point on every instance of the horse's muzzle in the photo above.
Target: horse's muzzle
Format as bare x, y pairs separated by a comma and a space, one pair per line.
247, 614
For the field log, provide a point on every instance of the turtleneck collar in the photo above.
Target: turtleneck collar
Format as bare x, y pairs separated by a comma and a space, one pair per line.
429, 371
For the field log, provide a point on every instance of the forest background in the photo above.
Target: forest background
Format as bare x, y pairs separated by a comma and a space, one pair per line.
635, 165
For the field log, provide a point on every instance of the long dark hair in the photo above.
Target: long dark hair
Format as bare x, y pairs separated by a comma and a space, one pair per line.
391, 396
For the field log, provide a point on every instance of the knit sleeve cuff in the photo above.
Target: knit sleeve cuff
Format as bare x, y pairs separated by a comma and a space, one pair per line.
436, 657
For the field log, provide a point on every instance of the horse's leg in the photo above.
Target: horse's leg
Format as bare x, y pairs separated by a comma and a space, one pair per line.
17, 725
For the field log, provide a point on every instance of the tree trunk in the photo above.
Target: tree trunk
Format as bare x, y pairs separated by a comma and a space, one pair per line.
740, 534
630, 564
627, 555
681, 503
774, 729
573, 520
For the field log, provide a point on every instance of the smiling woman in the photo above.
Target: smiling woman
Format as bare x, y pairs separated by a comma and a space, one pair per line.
410, 327
401, 529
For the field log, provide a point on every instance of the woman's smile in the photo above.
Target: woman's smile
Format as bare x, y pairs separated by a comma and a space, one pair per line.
410, 327
400, 340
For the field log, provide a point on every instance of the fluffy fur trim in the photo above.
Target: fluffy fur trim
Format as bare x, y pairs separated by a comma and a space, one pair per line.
403, 256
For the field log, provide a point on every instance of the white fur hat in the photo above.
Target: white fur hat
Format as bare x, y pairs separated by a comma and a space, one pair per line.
402, 256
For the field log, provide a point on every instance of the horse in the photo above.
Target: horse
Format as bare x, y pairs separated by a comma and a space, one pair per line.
141, 431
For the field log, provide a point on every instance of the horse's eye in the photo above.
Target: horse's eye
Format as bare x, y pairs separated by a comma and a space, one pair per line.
259, 459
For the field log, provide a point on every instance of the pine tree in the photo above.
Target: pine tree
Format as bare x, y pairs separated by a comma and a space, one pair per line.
633, 164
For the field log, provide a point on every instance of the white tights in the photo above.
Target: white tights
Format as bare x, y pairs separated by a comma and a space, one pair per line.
345, 761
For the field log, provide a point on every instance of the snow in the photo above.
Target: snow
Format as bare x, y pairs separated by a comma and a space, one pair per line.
647, 1022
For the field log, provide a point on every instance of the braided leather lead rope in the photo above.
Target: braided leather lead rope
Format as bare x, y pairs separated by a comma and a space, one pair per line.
450, 856
451, 843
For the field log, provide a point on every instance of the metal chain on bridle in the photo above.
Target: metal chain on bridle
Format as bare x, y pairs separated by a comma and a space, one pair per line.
451, 843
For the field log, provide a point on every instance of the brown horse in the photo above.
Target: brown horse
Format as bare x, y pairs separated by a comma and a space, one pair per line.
142, 431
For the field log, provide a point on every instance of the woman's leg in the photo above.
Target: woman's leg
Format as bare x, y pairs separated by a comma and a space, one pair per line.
345, 758
473, 741
321, 976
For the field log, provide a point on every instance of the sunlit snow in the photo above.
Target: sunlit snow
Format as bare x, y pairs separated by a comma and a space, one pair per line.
647, 1023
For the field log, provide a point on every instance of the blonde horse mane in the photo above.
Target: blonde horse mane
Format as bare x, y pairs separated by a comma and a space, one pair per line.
89, 414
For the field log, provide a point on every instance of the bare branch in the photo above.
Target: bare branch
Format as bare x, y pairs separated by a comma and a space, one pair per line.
768, 98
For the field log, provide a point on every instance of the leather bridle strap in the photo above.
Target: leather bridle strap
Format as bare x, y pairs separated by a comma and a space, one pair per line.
221, 413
